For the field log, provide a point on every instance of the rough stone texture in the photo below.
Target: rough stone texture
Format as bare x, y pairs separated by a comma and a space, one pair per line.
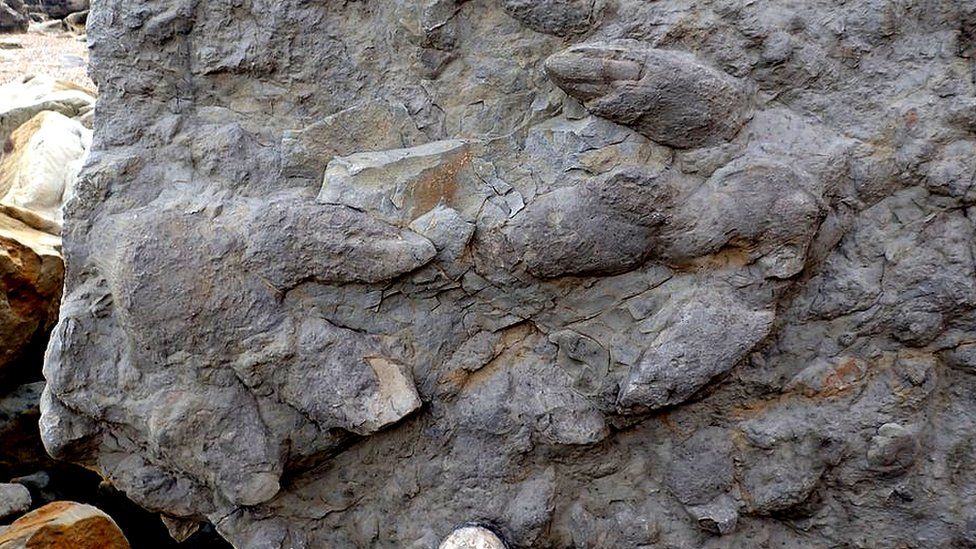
669, 96
594, 274
14, 500
43, 151
64, 525
31, 275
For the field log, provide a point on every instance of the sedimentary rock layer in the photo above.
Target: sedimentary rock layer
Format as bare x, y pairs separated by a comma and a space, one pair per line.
608, 273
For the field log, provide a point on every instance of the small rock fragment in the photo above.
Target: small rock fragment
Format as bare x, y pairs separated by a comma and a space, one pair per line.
447, 231
473, 537
892, 450
719, 516
372, 126
400, 185
395, 396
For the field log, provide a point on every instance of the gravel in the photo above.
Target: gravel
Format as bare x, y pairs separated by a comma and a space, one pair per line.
61, 55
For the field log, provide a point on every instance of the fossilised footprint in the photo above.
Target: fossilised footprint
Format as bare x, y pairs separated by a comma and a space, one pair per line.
669, 96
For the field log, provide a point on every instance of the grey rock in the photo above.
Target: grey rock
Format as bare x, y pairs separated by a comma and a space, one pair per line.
565, 232
669, 96
349, 245
370, 127
398, 186
14, 500
584, 274
892, 449
759, 207
57, 9
782, 478
719, 516
558, 17
702, 467
962, 357
76, 21
703, 335
446, 230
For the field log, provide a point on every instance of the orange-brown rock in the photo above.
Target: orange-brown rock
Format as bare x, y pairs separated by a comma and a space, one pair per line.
31, 273
64, 525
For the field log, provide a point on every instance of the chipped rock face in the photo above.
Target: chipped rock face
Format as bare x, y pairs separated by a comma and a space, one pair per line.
589, 273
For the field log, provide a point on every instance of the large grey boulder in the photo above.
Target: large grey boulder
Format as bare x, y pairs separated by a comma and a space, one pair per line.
574, 274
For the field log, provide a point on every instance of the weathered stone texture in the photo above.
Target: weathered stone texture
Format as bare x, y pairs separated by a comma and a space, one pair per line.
63, 525
601, 273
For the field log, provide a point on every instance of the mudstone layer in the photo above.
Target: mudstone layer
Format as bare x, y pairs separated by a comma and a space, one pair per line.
586, 273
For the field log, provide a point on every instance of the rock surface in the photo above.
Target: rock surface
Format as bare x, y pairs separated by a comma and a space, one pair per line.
64, 525
14, 500
56, 9
607, 273
13, 16
31, 274
472, 537
39, 168
20, 101
42, 154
